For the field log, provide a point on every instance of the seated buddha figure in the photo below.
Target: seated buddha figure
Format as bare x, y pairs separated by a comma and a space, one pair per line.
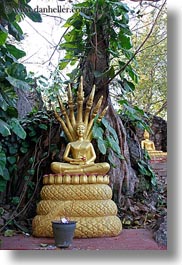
149, 145
146, 143
80, 157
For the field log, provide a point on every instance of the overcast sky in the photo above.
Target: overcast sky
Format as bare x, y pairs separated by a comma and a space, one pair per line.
42, 38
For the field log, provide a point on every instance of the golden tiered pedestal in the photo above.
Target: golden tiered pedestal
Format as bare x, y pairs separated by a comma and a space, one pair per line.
83, 198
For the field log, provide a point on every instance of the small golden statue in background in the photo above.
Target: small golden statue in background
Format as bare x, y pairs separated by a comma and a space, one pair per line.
146, 143
149, 146
79, 153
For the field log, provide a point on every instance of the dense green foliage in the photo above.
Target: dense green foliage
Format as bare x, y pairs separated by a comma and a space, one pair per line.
107, 140
83, 29
23, 157
12, 75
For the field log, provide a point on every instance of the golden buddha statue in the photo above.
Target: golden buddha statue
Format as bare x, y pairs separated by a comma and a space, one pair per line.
79, 153
149, 146
82, 157
79, 188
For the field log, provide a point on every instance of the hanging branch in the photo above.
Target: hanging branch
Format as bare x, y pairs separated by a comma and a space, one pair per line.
39, 33
164, 106
56, 47
28, 58
141, 45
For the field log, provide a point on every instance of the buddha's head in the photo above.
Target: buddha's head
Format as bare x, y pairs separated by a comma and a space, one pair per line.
80, 129
146, 135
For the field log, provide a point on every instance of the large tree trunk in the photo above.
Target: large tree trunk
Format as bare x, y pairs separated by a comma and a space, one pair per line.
97, 61
27, 101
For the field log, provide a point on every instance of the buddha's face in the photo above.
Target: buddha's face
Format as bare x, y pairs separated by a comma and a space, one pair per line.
146, 135
80, 129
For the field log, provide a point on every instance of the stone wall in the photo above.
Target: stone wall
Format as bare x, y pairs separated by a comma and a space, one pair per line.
159, 166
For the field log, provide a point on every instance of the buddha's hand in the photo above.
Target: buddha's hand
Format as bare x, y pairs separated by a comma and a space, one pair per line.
87, 162
84, 159
77, 161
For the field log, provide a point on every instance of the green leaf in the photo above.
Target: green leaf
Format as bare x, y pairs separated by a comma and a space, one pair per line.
23, 150
128, 86
18, 83
2, 161
4, 128
3, 183
110, 158
3, 36
25, 144
142, 169
15, 200
9, 233
12, 112
62, 65
124, 28
121, 64
140, 111
5, 174
153, 180
69, 46
43, 126
125, 41
17, 128
1, 211
132, 73
114, 146
15, 31
33, 15
123, 102
17, 70
127, 53
13, 150
110, 129
32, 133
125, 18
123, 6
31, 171
11, 159
111, 72
8, 96
76, 21
26, 178
15, 51
97, 131
69, 36
102, 146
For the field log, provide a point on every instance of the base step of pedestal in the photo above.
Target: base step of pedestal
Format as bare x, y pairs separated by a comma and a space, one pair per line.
86, 227
76, 192
89, 204
91, 208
